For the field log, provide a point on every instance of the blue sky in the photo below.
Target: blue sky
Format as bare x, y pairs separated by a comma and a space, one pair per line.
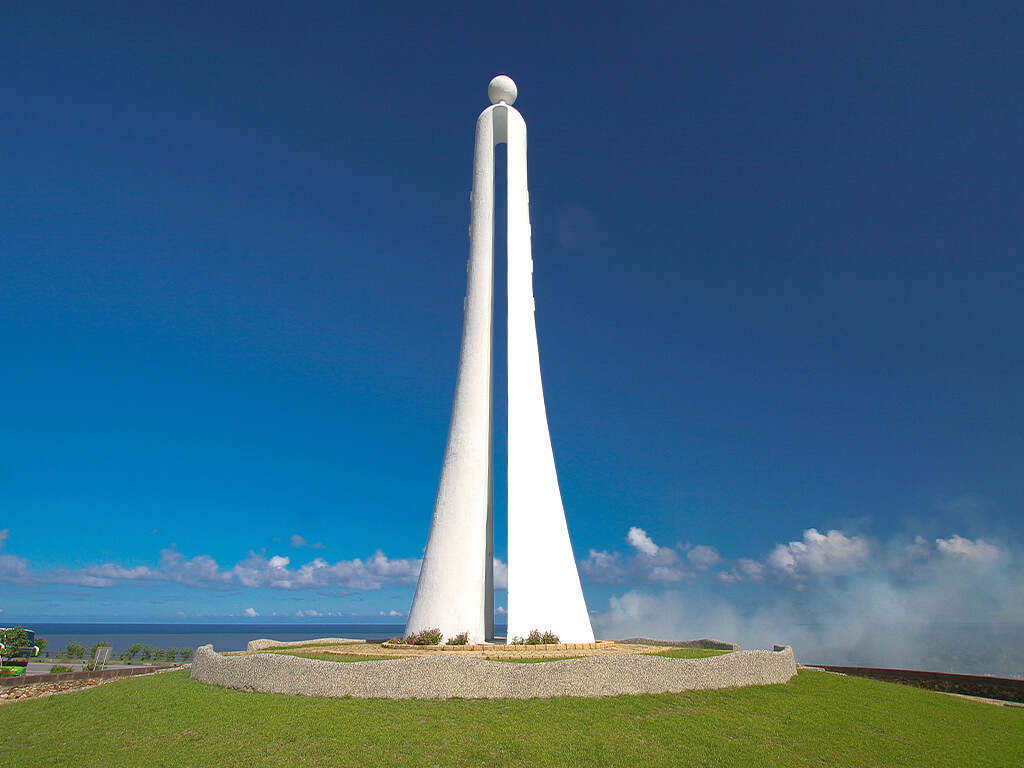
778, 283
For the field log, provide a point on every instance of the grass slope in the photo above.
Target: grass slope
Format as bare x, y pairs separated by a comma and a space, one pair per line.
816, 720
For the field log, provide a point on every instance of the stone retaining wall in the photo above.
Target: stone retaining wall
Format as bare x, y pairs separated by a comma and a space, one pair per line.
259, 645
444, 676
707, 642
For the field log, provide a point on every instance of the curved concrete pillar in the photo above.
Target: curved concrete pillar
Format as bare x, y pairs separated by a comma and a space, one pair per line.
544, 589
455, 590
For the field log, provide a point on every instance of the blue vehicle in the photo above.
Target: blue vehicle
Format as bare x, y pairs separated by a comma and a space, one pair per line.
17, 646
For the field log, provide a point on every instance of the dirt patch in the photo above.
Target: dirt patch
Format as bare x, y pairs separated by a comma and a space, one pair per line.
37, 690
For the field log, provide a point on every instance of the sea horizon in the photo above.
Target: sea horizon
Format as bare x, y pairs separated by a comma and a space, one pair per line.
223, 635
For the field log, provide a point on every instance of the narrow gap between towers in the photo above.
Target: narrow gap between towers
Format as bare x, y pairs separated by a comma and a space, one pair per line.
500, 371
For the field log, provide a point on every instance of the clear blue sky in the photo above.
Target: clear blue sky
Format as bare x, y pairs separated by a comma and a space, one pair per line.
778, 275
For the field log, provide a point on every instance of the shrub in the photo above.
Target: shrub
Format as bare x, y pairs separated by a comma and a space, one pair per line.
74, 650
9, 671
129, 653
397, 641
186, 653
14, 639
425, 637
460, 639
56, 668
538, 638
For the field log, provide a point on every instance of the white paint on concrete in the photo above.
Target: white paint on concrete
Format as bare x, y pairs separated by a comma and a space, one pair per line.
455, 592
455, 589
502, 89
544, 589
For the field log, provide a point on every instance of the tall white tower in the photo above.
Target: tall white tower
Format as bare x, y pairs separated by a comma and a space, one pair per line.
455, 591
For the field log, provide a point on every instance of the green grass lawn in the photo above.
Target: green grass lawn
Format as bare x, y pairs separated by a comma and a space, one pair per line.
816, 720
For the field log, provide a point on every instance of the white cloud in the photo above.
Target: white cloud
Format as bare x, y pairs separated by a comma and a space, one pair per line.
255, 571
703, 557
919, 549
251, 612
662, 573
965, 549
638, 539
649, 564
298, 542
308, 613
391, 613
500, 574
833, 552
604, 567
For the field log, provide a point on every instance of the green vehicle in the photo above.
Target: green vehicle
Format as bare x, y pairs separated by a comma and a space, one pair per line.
17, 646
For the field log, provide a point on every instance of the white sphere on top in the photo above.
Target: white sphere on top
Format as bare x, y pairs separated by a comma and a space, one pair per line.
502, 88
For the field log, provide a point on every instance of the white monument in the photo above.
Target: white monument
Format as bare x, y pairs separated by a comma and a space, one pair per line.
455, 592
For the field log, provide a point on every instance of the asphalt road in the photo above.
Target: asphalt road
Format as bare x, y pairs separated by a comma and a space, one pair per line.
42, 666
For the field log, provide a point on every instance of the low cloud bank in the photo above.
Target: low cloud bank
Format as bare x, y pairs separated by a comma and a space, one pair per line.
949, 604
256, 570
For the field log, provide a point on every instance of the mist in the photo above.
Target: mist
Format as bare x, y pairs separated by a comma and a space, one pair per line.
953, 605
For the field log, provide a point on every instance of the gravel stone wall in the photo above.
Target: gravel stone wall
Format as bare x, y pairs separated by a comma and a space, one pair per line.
443, 677
707, 642
259, 645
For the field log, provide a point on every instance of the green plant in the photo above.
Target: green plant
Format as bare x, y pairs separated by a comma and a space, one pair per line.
397, 641
151, 653
74, 650
460, 639
56, 668
537, 638
425, 637
186, 653
14, 637
10, 671
17, 643
129, 653
42, 644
